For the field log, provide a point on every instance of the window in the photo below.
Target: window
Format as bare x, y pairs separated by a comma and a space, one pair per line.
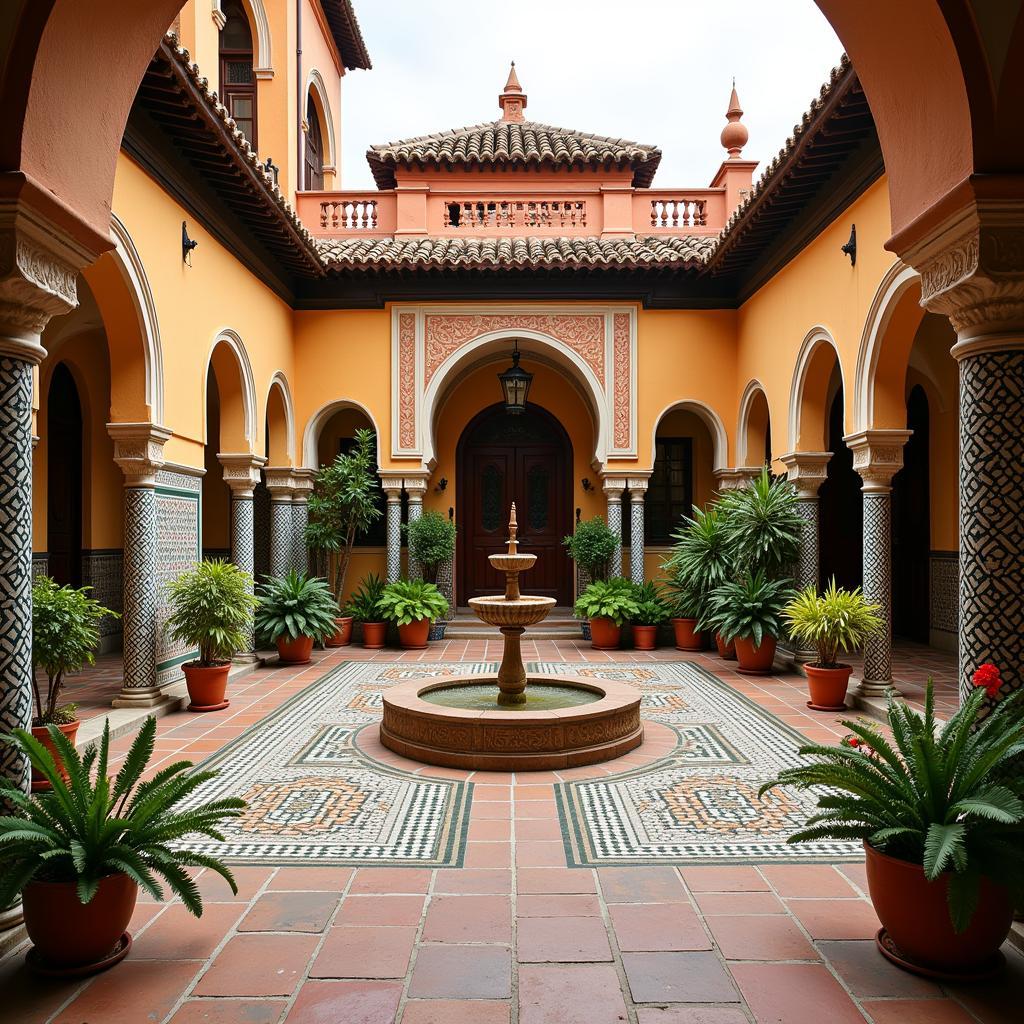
237, 80
314, 176
670, 489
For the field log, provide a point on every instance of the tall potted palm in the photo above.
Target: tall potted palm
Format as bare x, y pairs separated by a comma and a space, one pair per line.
343, 505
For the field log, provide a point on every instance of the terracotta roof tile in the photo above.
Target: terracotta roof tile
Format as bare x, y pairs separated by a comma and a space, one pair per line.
347, 34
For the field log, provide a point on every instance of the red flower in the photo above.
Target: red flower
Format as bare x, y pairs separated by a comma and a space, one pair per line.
851, 741
987, 676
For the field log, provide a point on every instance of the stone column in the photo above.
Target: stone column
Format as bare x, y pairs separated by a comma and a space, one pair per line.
139, 451
281, 486
613, 488
303, 482
415, 487
877, 457
637, 490
733, 479
242, 474
392, 487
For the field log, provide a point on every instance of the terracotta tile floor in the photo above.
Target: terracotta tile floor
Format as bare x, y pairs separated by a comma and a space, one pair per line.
496, 943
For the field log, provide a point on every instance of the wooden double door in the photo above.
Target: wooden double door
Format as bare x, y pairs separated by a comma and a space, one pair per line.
526, 459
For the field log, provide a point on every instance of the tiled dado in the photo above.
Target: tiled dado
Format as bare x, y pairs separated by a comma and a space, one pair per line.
944, 602
103, 570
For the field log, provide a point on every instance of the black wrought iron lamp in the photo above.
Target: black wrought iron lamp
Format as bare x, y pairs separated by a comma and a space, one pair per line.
515, 384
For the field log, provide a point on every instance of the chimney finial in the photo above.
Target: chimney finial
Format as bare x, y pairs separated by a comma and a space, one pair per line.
734, 134
513, 100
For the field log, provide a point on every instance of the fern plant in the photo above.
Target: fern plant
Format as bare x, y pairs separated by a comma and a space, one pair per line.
408, 601
87, 826
749, 607
296, 605
941, 798
838, 620
613, 599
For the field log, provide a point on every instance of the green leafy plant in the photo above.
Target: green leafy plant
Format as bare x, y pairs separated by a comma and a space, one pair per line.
296, 605
88, 827
936, 797
211, 608
761, 525
613, 599
364, 604
838, 620
65, 634
344, 504
701, 560
408, 601
749, 607
592, 547
651, 607
431, 542
684, 597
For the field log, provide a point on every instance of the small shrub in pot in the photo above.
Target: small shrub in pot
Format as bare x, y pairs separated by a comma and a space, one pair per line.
607, 604
364, 606
749, 610
651, 612
411, 605
295, 611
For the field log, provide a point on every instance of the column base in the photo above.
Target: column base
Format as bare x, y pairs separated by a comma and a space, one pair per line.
140, 697
874, 688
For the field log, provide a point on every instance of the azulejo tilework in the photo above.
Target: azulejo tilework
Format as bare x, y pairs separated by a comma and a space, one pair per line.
699, 804
314, 797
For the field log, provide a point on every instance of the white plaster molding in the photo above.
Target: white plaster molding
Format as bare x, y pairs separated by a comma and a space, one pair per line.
233, 340
719, 438
315, 82
241, 471
316, 423
139, 451
806, 471
815, 337
743, 420
877, 456
279, 380
280, 482
264, 65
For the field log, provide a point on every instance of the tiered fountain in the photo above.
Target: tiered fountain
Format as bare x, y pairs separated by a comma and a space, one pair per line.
511, 723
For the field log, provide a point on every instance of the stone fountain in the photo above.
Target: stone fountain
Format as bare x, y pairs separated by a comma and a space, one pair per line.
511, 723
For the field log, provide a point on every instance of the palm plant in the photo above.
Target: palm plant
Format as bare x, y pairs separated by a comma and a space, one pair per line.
838, 620
940, 798
86, 828
364, 604
701, 558
406, 601
761, 525
613, 599
749, 607
296, 605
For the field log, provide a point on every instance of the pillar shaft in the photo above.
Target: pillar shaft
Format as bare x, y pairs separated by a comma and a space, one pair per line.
282, 550
393, 489
415, 488
303, 481
637, 490
242, 474
613, 488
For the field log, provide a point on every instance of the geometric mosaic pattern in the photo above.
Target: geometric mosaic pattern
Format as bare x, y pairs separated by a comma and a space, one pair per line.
243, 549
300, 553
878, 584
615, 525
394, 540
807, 559
281, 554
636, 537
943, 591
699, 803
140, 588
414, 513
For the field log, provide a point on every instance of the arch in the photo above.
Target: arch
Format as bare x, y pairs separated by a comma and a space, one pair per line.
494, 344
264, 64
280, 417
895, 286
245, 428
711, 419
316, 422
753, 426
808, 396
316, 88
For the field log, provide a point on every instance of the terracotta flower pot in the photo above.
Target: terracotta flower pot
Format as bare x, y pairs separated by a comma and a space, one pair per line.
374, 635
343, 634
605, 635
645, 638
687, 636
915, 914
207, 685
725, 650
67, 933
294, 652
755, 661
40, 732
827, 687
413, 635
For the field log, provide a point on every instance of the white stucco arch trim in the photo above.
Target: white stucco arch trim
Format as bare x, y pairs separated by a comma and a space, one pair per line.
129, 263
813, 339
316, 422
279, 380
233, 340
315, 83
264, 65
897, 280
711, 419
743, 420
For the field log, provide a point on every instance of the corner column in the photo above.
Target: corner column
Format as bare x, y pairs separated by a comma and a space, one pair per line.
392, 487
242, 474
280, 484
139, 451
415, 487
877, 458
302, 481
637, 490
613, 488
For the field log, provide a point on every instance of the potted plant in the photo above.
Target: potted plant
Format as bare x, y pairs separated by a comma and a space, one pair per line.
296, 611
65, 634
761, 526
411, 604
591, 547
364, 607
211, 609
650, 614
838, 620
684, 606
941, 818
607, 604
749, 611
432, 543
79, 853
343, 505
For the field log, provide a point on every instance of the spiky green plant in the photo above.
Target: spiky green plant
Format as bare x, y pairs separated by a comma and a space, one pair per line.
406, 601
296, 605
88, 827
364, 604
838, 620
701, 559
613, 599
749, 607
761, 524
935, 797
652, 610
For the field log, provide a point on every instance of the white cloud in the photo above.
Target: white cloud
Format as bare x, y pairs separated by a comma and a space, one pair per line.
654, 71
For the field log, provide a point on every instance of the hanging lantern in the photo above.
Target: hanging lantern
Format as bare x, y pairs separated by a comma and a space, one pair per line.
515, 384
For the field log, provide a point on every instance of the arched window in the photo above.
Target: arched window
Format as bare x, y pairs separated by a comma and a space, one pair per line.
314, 176
237, 80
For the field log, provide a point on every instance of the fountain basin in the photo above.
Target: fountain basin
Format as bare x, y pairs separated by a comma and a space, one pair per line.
512, 739
500, 611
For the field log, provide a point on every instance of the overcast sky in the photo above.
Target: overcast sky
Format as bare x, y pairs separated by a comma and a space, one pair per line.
653, 71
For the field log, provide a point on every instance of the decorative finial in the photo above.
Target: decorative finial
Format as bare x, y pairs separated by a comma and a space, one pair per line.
513, 529
734, 134
513, 100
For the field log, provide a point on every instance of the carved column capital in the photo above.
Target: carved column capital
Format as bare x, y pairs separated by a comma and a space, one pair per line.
302, 485
806, 471
241, 472
139, 451
415, 487
613, 487
734, 479
392, 487
280, 482
877, 456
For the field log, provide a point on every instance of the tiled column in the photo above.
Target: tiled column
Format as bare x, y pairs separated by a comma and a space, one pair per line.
415, 487
139, 451
392, 487
242, 474
637, 490
613, 488
281, 486
303, 481
877, 457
